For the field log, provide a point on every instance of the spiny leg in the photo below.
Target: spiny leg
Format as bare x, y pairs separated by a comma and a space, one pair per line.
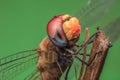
66, 75
90, 40
75, 68
73, 53
86, 54
81, 60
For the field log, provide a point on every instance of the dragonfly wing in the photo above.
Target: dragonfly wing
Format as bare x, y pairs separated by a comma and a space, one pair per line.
113, 29
35, 75
94, 11
17, 63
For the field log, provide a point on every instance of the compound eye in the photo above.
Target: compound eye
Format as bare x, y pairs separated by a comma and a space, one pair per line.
63, 29
56, 33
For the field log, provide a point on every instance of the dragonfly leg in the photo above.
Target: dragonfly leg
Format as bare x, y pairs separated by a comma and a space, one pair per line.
86, 63
89, 41
66, 75
75, 68
86, 54
72, 52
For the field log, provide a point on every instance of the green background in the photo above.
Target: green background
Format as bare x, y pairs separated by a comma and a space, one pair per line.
23, 26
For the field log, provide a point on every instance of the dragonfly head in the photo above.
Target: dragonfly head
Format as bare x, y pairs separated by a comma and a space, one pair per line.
63, 30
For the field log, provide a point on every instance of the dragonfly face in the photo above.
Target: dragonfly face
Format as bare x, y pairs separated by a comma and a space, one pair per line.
63, 29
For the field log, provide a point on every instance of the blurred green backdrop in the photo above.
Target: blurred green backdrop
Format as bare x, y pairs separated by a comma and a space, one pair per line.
23, 26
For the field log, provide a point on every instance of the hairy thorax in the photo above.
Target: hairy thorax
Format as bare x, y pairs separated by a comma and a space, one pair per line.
48, 65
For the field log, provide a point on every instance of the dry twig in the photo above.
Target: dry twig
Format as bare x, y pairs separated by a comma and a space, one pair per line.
98, 54
84, 55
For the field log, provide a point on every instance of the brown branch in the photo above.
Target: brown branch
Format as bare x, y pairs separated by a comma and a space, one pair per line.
84, 55
97, 56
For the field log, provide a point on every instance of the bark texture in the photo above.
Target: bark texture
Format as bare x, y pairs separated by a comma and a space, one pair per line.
101, 45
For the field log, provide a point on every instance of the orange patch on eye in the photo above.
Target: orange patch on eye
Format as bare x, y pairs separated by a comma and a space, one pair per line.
72, 28
74, 21
65, 16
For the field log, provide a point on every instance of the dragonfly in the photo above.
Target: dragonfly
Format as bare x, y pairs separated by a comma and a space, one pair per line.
15, 64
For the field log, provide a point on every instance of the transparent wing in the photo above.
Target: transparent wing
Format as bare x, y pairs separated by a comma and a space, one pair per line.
94, 11
113, 30
12, 65
35, 75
